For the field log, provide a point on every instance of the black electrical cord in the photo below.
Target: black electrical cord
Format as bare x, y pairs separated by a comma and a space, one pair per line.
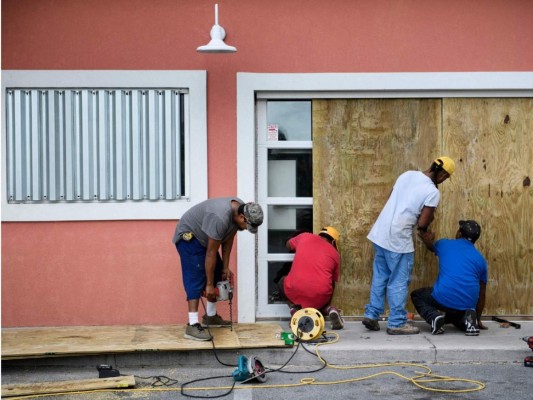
213, 342
216, 355
270, 370
324, 362
234, 382
159, 380
183, 385
206, 379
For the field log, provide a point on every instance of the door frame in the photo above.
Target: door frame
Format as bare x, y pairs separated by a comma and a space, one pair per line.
342, 85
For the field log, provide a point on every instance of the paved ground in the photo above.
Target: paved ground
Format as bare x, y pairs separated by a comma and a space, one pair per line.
495, 358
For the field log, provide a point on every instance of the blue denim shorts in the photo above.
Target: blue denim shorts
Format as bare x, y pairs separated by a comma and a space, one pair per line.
192, 255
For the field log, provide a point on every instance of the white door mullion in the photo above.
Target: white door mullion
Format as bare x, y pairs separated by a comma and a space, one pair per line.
264, 308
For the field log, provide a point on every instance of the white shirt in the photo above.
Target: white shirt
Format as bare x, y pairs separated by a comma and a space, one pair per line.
393, 230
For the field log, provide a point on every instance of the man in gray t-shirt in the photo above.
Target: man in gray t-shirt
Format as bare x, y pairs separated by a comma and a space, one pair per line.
203, 230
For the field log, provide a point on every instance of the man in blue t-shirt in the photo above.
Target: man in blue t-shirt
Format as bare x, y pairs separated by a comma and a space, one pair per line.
460, 287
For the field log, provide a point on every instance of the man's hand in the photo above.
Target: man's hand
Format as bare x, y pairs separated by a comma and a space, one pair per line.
227, 274
210, 293
428, 238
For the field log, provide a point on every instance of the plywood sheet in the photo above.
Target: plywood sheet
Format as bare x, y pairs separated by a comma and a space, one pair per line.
259, 335
42, 388
360, 147
64, 341
492, 141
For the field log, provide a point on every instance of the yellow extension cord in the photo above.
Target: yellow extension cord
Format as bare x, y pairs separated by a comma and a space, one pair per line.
420, 379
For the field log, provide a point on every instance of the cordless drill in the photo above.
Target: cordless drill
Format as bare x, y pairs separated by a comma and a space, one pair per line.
528, 361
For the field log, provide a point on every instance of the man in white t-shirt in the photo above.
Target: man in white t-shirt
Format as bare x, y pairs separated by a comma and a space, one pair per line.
413, 201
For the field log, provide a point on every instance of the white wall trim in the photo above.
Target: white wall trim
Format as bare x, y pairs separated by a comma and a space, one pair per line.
194, 81
341, 85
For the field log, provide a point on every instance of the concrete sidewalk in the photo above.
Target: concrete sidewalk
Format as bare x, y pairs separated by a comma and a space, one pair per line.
355, 345
494, 356
358, 344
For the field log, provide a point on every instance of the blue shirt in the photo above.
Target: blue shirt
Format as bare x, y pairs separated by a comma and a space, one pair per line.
461, 269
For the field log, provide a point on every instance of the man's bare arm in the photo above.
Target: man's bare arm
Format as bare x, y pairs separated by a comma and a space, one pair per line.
210, 265
226, 251
428, 238
426, 218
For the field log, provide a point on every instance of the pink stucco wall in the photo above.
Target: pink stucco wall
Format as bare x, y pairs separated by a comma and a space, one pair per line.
93, 273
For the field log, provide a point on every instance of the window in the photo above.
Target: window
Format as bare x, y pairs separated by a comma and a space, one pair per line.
285, 186
125, 148
94, 145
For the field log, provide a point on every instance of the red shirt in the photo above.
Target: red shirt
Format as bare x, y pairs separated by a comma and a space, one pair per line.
315, 267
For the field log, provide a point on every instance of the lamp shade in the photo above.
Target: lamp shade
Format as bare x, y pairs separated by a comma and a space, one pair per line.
217, 45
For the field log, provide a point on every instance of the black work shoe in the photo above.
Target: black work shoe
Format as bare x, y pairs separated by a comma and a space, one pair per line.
214, 321
335, 318
437, 325
371, 324
470, 322
196, 332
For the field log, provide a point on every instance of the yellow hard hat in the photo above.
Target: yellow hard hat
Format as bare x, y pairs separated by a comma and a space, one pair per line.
447, 164
332, 232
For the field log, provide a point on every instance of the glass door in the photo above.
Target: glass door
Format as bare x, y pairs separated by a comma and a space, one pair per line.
285, 190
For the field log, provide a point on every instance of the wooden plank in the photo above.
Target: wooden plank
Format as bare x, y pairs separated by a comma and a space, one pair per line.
82, 340
260, 335
26, 389
491, 139
360, 147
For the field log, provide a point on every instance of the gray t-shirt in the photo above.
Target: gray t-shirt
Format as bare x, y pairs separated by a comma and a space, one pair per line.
211, 218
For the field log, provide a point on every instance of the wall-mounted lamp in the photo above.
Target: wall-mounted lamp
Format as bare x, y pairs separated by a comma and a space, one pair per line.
217, 45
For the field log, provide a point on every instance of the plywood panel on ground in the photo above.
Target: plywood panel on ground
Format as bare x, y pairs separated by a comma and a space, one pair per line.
65, 341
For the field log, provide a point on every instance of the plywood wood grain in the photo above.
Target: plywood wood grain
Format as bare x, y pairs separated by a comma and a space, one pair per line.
360, 147
492, 139
81, 340
28, 389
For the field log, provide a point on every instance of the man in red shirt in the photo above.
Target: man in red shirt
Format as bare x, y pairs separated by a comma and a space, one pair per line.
314, 271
